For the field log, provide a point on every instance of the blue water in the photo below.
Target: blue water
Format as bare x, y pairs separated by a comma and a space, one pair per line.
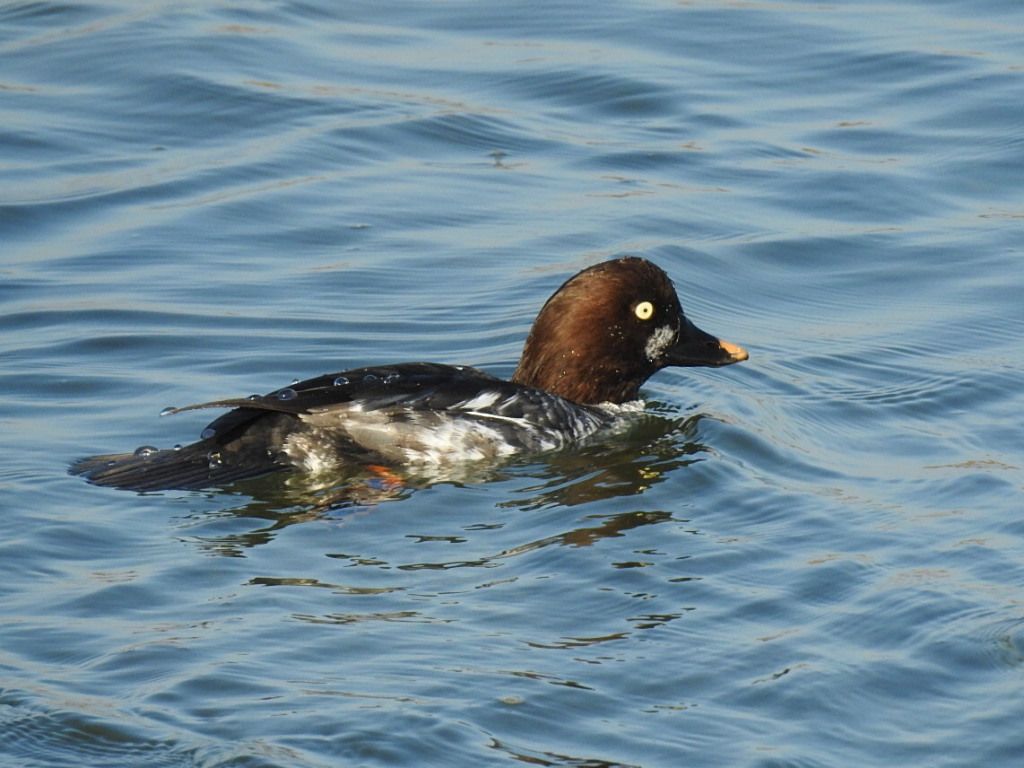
815, 558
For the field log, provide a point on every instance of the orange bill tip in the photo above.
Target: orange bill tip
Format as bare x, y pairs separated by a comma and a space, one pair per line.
736, 353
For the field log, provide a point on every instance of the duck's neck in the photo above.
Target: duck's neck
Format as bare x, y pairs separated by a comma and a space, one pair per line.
573, 376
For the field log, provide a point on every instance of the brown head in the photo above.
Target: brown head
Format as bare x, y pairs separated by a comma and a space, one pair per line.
608, 329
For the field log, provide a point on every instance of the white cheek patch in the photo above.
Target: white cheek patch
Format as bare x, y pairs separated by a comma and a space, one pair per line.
660, 340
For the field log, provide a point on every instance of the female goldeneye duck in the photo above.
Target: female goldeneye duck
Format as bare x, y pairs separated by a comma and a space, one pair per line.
602, 334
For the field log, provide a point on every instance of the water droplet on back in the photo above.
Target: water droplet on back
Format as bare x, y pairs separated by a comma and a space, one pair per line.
207, 433
287, 394
369, 378
341, 381
145, 451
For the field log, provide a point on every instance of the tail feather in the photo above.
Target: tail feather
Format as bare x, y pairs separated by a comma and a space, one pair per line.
193, 467
245, 443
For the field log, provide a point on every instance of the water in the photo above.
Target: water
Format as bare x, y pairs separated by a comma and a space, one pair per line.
815, 558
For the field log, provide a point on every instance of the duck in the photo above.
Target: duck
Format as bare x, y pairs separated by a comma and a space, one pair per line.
594, 343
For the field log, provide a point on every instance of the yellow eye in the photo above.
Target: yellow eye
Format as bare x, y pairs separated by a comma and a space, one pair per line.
644, 310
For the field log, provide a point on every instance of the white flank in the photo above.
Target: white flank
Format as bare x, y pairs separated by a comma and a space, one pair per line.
439, 443
310, 453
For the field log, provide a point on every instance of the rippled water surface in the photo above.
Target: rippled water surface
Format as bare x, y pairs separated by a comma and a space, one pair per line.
815, 558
